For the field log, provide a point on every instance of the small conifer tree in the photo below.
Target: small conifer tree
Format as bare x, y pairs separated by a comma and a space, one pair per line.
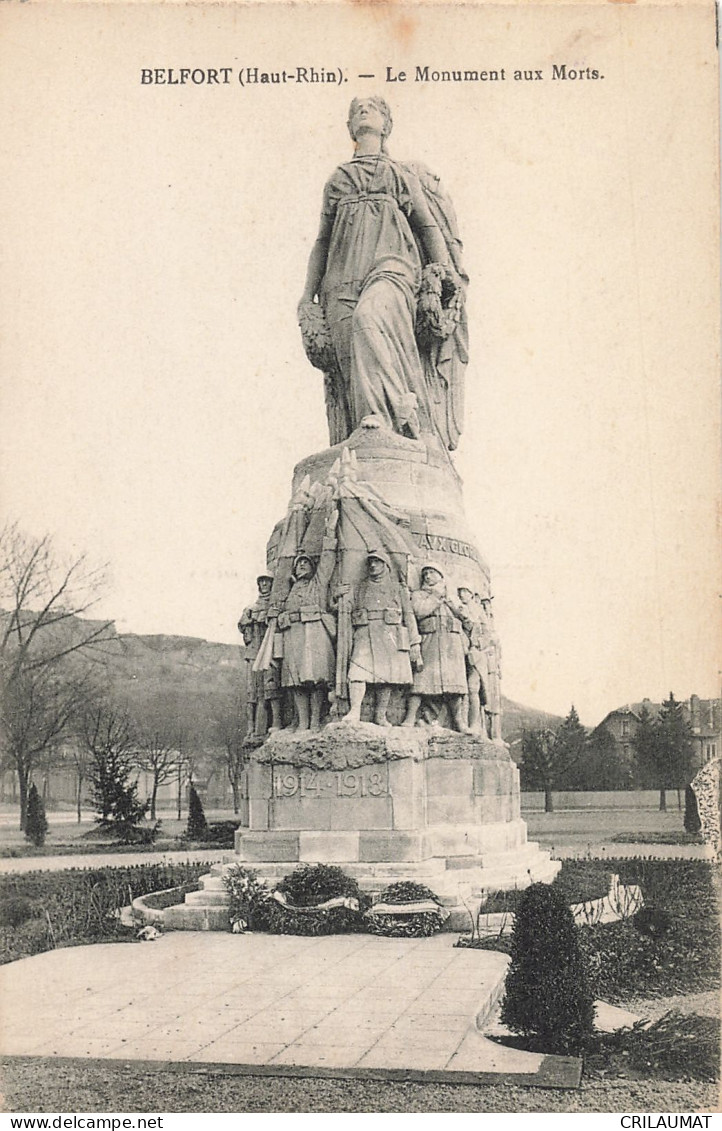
197, 828
547, 991
36, 825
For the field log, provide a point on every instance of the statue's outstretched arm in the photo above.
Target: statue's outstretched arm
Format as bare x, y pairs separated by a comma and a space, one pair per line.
317, 263
426, 229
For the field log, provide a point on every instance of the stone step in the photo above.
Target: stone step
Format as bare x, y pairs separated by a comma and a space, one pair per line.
212, 882
184, 917
207, 899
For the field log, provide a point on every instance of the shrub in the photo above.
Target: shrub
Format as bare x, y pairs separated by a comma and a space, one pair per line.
132, 834
247, 892
547, 992
675, 1047
221, 834
405, 924
197, 825
681, 957
36, 825
692, 822
14, 910
303, 890
652, 922
580, 881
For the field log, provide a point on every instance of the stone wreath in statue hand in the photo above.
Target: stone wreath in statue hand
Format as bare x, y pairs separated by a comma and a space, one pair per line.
440, 304
316, 337
437, 316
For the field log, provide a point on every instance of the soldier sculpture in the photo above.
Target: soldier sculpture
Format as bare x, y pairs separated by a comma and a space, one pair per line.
443, 649
385, 639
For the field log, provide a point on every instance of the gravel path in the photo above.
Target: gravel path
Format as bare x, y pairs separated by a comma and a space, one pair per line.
44, 1086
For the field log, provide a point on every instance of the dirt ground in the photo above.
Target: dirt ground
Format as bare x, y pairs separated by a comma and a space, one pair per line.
35, 1085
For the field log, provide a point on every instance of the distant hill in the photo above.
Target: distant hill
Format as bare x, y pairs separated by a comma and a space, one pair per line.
516, 718
193, 681
181, 679
199, 670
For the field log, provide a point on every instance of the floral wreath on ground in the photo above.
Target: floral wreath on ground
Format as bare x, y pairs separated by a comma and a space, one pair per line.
406, 910
314, 899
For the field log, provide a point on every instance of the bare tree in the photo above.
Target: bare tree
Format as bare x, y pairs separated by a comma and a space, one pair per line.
38, 708
229, 731
45, 646
158, 754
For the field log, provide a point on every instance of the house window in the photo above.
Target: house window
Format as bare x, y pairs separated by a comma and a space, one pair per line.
710, 751
625, 728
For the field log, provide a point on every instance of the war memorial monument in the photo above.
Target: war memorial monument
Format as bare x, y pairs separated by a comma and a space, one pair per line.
372, 662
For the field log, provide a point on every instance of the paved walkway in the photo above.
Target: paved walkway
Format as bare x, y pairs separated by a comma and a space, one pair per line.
573, 851
13, 864
348, 1002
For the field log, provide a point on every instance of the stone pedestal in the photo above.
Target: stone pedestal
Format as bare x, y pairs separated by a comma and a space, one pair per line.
391, 803
418, 480
388, 803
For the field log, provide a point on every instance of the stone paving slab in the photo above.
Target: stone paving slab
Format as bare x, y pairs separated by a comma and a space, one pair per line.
351, 1002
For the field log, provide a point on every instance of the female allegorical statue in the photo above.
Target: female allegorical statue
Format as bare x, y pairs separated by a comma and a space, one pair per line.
389, 328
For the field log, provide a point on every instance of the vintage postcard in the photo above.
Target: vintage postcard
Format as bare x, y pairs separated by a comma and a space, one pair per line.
391, 329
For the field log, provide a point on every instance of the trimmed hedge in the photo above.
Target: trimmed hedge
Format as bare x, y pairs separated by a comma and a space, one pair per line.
672, 946
547, 996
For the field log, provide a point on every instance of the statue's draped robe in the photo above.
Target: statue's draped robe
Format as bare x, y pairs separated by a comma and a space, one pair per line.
372, 278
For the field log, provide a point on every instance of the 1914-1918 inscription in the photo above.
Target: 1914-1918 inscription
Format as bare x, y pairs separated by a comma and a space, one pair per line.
367, 781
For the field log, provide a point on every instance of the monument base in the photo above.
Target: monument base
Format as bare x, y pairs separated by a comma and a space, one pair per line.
391, 803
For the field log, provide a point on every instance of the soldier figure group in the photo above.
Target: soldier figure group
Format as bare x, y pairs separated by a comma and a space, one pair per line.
433, 649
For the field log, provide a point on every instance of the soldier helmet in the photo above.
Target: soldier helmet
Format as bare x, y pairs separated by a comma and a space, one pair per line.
380, 556
267, 575
302, 557
432, 565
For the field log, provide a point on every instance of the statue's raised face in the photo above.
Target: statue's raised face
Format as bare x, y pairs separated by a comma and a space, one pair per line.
265, 584
465, 595
369, 115
303, 568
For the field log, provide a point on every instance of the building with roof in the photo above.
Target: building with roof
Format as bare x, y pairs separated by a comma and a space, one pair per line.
703, 715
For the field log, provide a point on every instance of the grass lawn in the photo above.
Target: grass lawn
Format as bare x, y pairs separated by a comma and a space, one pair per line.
67, 837
595, 827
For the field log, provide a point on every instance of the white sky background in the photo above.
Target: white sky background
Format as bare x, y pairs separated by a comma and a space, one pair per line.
156, 394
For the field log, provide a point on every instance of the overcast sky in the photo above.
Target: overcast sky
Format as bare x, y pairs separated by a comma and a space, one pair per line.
156, 393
